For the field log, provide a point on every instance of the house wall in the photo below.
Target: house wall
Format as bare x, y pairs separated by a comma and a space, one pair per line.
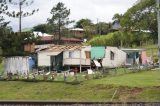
75, 59
17, 65
44, 58
119, 58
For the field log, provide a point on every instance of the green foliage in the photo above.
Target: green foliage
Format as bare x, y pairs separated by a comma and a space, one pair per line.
103, 28
142, 16
59, 19
44, 28
88, 26
83, 22
12, 44
20, 14
117, 17
125, 39
20, 4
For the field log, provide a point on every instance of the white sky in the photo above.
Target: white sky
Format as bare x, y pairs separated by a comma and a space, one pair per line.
103, 10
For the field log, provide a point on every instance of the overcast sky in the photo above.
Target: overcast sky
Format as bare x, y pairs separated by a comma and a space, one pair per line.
103, 10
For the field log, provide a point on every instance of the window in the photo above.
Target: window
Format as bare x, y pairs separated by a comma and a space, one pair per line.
88, 54
111, 55
70, 54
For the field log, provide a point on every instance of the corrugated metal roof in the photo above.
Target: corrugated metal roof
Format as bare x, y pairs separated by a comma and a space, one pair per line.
77, 29
50, 38
132, 50
58, 48
54, 53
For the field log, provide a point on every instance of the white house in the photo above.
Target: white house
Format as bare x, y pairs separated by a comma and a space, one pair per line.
114, 57
80, 56
76, 57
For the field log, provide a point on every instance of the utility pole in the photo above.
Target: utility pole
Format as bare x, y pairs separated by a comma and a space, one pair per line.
158, 20
20, 17
80, 62
97, 26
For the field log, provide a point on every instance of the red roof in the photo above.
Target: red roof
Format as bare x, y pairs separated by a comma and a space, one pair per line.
50, 38
46, 38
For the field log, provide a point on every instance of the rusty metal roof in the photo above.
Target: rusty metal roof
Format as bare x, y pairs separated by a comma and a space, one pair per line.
50, 38
56, 48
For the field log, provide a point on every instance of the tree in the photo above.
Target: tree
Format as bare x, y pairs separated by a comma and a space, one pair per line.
83, 22
103, 28
117, 17
59, 19
3, 8
141, 16
20, 14
88, 26
10, 43
44, 28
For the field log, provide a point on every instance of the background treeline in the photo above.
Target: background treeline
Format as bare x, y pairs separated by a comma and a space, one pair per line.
122, 39
138, 27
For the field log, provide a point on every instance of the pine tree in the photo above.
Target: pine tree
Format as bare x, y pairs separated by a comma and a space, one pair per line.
60, 18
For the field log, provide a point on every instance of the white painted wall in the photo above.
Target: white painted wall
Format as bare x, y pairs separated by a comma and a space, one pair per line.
76, 57
119, 58
44, 58
17, 65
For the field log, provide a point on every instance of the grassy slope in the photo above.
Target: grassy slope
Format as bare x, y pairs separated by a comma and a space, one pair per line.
140, 79
143, 86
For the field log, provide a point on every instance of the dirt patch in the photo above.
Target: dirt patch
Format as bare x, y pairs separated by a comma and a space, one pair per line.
126, 93
157, 87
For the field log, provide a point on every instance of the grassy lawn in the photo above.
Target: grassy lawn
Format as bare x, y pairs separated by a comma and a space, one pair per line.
140, 86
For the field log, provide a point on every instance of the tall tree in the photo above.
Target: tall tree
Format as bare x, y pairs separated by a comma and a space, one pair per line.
44, 28
141, 16
83, 22
20, 13
117, 17
103, 28
59, 19
88, 26
3, 8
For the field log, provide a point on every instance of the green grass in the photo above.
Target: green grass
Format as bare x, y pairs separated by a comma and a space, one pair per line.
140, 86
139, 79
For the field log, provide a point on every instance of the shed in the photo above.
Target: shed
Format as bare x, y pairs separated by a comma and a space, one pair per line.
17, 65
52, 57
135, 56
114, 57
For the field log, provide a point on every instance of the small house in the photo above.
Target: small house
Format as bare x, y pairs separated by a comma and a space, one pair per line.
77, 57
51, 57
59, 56
114, 57
135, 56
108, 57
77, 32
